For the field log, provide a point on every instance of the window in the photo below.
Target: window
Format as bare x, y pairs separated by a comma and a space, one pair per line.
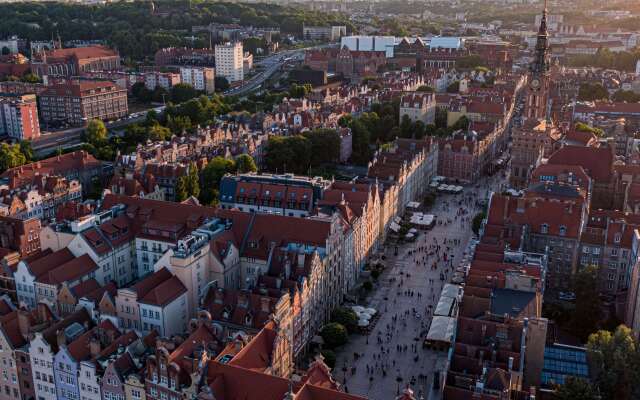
163, 380
544, 228
617, 237
614, 252
563, 230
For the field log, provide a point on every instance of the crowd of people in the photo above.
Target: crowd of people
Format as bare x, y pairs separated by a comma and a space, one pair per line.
411, 290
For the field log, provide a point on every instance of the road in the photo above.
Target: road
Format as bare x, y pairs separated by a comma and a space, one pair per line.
396, 296
72, 137
271, 64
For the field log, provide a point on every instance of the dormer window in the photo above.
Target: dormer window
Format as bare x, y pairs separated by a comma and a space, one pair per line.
563, 230
544, 228
617, 237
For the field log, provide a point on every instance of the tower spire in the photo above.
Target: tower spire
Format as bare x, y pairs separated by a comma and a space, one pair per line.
540, 63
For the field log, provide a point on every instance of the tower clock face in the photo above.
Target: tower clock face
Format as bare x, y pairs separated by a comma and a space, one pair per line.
535, 83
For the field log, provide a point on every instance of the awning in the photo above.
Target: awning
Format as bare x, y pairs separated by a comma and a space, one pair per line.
442, 329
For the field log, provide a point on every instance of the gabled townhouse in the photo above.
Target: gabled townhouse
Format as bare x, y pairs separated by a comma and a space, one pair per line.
88, 294
111, 245
169, 370
418, 107
550, 219
359, 205
16, 328
78, 165
10, 339
157, 302
45, 345
121, 365
41, 279
411, 164
66, 362
607, 244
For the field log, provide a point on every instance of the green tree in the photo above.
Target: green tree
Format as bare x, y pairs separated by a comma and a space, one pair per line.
626, 96
592, 92
588, 311
193, 181
211, 176
26, 150
179, 124
454, 87
31, 78
582, 127
361, 152
96, 133
325, 146
470, 62
576, 389
425, 88
141, 93
151, 118
221, 84
11, 156
476, 223
245, 163
615, 361
334, 335
441, 118
329, 357
182, 189
158, 132
462, 123
182, 92
406, 127
298, 91
347, 317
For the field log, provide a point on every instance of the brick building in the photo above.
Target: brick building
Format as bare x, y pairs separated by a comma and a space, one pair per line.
77, 103
75, 61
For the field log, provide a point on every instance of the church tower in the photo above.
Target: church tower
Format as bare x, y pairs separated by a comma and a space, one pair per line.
538, 78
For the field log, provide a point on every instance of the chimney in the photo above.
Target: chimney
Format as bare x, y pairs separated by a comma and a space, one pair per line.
219, 296
61, 338
94, 347
24, 323
264, 304
238, 344
243, 299
41, 309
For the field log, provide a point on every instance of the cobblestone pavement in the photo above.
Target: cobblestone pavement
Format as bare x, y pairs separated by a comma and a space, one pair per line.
392, 370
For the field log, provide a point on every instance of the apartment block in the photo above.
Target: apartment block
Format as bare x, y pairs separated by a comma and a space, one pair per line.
229, 61
201, 78
19, 116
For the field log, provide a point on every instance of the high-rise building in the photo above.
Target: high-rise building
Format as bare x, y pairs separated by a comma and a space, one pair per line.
19, 116
201, 78
229, 61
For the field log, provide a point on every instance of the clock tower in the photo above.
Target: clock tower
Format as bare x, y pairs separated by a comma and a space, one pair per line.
535, 138
538, 78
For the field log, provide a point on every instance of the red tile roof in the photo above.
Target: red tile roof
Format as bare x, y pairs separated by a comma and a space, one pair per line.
596, 161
